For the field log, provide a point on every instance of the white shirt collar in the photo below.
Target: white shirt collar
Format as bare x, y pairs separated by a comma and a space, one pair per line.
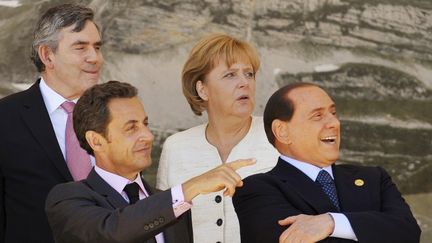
308, 169
116, 181
52, 99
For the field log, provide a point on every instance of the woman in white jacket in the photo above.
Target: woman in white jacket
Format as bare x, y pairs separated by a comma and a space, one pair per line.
219, 78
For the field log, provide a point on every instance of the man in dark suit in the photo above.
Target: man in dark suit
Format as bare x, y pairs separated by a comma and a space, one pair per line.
316, 199
66, 51
111, 124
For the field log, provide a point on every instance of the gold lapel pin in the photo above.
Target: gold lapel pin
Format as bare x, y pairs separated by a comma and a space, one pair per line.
359, 182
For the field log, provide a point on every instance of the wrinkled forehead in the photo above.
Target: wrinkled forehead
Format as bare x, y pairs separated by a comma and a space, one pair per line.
310, 98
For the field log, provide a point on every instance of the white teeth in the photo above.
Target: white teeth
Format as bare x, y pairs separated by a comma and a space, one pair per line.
328, 139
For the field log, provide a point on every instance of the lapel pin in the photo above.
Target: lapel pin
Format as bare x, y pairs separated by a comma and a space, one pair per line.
359, 182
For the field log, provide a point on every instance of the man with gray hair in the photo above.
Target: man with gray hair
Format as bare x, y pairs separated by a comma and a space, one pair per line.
38, 148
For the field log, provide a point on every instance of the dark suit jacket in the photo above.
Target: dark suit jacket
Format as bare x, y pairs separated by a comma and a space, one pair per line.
376, 210
92, 211
31, 163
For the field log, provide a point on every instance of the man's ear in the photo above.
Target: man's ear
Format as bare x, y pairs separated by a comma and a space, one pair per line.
280, 131
95, 140
201, 90
46, 55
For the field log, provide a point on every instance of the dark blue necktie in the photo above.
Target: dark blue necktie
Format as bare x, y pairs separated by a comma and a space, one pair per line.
328, 186
132, 191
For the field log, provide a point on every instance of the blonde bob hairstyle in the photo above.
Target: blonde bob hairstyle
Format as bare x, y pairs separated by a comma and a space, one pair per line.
205, 55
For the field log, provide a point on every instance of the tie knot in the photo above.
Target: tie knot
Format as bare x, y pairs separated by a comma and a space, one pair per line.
68, 106
324, 177
132, 191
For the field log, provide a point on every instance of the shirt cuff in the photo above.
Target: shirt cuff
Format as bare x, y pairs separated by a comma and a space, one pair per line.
178, 202
342, 228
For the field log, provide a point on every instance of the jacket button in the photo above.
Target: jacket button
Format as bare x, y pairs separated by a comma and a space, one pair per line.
219, 222
218, 199
146, 227
161, 220
151, 225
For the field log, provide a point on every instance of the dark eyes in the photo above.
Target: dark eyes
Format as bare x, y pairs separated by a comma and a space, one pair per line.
319, 115
233, 74
132, 128
229, 75
80, 48
250, 75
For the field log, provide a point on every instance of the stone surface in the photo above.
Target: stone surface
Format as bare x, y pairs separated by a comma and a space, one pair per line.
373, 56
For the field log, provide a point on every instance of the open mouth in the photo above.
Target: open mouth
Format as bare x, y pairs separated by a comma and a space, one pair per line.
329, 139
243, 97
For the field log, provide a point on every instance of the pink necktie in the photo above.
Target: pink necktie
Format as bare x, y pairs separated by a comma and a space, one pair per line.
77, 159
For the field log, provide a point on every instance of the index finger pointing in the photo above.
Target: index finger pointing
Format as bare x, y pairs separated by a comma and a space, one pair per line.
235, 165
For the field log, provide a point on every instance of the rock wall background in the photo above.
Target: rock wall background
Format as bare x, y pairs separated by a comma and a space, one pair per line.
373, 56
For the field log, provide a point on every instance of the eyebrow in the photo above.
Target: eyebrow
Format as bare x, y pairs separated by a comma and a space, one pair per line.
129, 123
78, 42
135, 121
322, 108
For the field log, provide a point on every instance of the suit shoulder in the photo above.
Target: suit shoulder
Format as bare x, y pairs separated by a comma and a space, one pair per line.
13, 99
363, 169
67, 190
258, 180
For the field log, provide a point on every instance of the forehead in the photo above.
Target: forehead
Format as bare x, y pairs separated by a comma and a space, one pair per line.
89, 34
309, 98
126, 109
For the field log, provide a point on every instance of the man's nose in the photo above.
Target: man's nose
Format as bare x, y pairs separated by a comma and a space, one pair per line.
94, 55
146, 135
333, 121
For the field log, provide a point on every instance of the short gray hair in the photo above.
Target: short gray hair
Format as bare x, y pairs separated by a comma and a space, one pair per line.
50, 24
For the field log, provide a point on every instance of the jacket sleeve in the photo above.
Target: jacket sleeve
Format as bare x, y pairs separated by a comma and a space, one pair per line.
259, 204
77, 214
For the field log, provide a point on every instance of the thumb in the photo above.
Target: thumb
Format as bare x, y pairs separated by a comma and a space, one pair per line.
287, 221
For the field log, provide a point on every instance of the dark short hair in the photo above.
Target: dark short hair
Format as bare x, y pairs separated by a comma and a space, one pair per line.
91, 113
279, 106
52, 21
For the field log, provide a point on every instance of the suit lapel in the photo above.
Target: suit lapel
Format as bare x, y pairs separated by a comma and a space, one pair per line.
307, 189
100, 186
35, 116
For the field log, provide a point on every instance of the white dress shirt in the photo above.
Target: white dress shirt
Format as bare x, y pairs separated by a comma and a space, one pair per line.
343, 228
57, 115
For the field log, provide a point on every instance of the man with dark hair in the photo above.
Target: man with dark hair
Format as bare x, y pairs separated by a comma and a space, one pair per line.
38, 148
114, 204
306, 197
